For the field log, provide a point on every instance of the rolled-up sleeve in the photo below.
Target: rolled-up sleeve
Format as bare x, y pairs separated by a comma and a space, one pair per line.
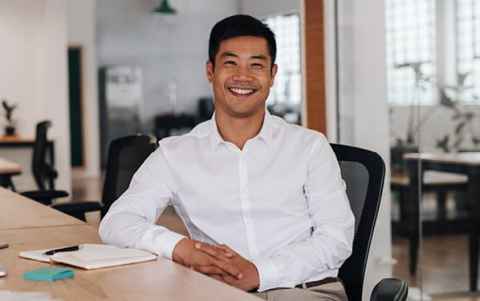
130, 221
330, 243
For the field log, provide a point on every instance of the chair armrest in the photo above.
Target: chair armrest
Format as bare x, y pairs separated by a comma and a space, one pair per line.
78, 209
78, 206
390, 289
45, 196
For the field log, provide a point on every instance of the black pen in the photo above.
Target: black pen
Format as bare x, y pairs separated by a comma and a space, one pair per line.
66, 249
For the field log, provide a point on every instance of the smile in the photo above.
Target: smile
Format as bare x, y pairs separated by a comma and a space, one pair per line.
242, 91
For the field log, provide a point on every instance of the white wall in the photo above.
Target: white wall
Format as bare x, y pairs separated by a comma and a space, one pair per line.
363, 107
267, 8
81, 20
34, 75
168, 49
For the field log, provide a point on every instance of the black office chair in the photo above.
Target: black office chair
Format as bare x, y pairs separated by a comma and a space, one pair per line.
45, 175
43, 171
364, 173
125, 155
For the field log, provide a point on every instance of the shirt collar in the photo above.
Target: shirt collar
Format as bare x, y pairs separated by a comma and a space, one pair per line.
265, 134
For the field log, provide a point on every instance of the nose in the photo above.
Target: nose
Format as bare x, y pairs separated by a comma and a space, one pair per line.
242, 73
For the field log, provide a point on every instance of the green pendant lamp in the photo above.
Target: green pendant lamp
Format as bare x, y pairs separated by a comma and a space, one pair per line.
165, 8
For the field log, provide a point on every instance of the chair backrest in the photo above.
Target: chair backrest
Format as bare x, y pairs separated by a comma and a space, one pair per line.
363, 172
43, 171
125, 155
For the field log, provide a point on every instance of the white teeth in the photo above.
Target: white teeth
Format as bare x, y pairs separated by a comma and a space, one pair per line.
241, 91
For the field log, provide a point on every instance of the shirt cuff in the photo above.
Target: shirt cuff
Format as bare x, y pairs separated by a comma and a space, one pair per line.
267, 273
164, 242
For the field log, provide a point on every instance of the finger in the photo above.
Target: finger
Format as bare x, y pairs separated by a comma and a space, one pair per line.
229, 279
216, 277
229, 268
212, 251
206, 248
227, 250
210, 270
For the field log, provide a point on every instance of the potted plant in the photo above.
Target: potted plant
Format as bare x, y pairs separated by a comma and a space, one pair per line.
462, 119
10, 126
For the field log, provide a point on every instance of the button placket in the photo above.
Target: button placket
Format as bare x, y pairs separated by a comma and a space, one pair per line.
246, 205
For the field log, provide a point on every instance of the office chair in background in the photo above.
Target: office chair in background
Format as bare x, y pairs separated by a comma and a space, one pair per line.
125, 155
45, 175
43, 171
363, 172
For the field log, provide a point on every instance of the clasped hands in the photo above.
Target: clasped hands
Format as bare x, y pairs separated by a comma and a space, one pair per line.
217, 261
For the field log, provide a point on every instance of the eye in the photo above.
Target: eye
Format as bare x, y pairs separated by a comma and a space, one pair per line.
257, 66
230, 63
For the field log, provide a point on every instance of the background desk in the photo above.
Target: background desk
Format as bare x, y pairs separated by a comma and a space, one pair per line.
8, 169
19, 149
21, 142
156, 280
462, 163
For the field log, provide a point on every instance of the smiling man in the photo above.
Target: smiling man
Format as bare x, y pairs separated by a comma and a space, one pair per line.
263, 200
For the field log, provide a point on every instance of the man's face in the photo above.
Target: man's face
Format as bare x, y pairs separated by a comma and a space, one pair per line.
242, 76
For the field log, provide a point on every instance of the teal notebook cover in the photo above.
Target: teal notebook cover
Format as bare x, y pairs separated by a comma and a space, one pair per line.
48, 274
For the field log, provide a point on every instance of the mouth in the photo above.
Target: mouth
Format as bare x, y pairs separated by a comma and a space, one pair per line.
242, 92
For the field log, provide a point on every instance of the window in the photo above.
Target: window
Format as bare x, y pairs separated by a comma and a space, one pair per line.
286, 93
468, 50
410, 47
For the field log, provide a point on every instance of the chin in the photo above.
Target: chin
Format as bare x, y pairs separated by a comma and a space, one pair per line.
245, 113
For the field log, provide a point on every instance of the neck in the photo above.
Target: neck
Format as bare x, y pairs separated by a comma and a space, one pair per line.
239, 130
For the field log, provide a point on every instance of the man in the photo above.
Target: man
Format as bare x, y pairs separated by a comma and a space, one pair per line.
263, 200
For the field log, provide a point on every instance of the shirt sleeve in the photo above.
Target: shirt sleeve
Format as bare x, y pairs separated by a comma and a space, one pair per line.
330, 243
130, 221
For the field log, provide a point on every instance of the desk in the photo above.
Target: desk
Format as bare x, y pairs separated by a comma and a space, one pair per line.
17, 142
17, 212
462, 163
156, 280
7, 170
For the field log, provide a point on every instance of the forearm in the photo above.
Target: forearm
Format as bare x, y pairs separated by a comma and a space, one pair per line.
127, 230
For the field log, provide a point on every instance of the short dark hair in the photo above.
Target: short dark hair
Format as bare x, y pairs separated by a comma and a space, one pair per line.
238, 26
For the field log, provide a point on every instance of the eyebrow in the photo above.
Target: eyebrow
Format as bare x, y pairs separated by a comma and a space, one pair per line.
259, 57
256, 57
228, 54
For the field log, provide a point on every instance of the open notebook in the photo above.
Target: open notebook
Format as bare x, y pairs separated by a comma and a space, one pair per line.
92, 256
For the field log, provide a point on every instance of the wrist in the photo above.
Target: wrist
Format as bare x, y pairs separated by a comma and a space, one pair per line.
181, 250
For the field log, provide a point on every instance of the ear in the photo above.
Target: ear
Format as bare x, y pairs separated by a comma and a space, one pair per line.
273, 73
210, 71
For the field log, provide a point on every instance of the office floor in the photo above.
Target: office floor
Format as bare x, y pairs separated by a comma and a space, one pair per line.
443, 263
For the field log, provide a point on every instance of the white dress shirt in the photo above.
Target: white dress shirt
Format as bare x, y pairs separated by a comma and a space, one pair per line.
280, 202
